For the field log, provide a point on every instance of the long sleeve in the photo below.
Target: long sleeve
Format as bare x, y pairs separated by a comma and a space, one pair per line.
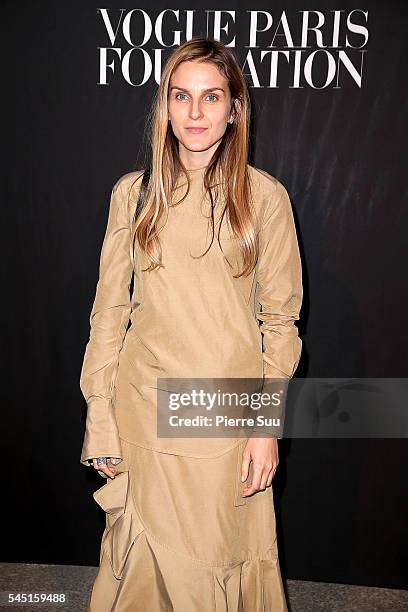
108, 324
280, 290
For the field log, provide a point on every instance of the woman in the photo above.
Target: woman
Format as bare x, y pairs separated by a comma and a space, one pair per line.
213, 250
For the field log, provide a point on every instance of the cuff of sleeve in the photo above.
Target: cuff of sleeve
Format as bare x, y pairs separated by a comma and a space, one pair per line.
272, 372
284, 362
275, 383
101, 434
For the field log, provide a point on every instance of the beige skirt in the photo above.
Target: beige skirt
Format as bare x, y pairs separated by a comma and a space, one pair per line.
180, 538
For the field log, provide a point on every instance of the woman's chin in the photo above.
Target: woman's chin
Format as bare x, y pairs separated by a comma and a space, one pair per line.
196, 146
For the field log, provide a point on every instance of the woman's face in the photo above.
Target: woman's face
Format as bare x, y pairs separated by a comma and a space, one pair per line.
199, 106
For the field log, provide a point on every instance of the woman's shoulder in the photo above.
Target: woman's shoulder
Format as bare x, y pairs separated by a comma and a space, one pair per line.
265, 184
129, 181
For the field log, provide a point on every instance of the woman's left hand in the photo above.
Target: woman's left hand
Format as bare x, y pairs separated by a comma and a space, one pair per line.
263, 452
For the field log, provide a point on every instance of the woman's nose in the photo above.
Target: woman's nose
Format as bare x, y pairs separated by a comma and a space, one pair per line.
195, 109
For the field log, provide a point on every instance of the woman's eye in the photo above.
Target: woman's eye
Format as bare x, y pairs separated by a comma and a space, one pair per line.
209, 97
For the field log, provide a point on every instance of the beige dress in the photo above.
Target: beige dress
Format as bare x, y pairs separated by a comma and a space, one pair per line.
179, 536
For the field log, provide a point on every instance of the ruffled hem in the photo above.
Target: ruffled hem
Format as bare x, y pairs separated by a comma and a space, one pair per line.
137, 573
123, 525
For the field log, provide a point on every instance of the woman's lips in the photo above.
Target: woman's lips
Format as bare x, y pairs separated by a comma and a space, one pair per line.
196, 130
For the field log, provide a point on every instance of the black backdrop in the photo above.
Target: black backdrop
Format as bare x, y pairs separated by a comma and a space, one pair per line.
337, 149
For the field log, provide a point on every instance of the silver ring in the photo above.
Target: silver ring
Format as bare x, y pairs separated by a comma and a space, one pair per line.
101, 460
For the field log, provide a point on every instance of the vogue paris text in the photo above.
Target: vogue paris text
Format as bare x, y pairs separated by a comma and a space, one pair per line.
297, 49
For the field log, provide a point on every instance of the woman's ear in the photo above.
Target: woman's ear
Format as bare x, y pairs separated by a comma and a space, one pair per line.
233, 114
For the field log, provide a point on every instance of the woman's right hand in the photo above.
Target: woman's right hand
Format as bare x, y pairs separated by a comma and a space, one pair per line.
108, 468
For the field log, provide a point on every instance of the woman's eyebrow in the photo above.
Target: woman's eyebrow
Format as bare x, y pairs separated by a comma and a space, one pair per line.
204, 90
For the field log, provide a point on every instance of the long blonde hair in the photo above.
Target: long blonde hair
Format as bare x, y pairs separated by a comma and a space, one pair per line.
230, 159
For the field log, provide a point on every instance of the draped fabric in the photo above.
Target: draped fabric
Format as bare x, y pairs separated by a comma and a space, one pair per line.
180, 537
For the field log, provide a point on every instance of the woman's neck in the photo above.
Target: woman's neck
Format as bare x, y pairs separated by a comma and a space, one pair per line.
195, 160
191, 166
